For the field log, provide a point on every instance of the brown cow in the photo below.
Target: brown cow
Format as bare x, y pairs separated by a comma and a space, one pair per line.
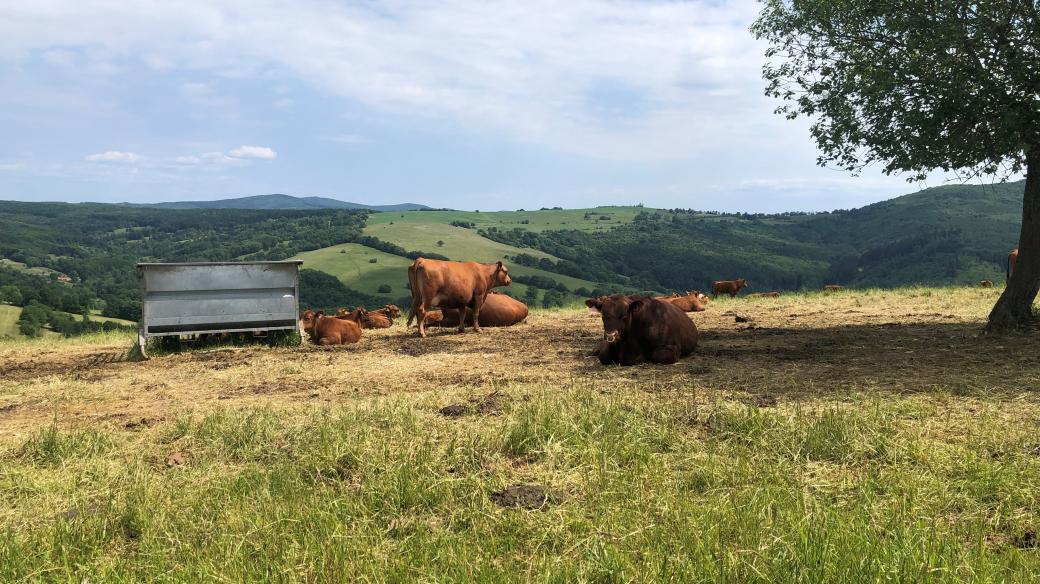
382, 318
326, 330
499, 310
833, 288
450, 284
1011, 261
730, 287
693, 301
765, 295
637, 329
986, 283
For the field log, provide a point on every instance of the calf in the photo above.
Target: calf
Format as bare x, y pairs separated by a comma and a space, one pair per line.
986, 283
458, 285
833, 288
765, 295
326, 330
693, 301
730, 287
637, 329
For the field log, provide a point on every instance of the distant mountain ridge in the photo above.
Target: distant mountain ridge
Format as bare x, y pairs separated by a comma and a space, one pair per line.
278, 202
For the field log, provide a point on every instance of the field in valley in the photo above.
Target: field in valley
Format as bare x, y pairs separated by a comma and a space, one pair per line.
423, 230
863, 436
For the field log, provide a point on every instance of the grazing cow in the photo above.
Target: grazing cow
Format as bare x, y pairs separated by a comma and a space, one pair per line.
730, 287
765, 295
448, 284
986, 283
326, 330
833, 288
1011, 261
693, 301
499, 310
637, 329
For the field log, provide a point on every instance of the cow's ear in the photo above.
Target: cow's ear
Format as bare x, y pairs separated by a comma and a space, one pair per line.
499, 264
636, 306
595, 305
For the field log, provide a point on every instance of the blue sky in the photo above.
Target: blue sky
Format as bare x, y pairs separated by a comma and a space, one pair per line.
470, 105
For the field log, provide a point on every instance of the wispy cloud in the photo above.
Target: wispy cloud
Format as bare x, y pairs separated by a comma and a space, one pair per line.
113, 156
259, 152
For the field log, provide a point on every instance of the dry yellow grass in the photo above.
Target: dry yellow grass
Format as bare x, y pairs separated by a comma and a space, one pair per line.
797, 347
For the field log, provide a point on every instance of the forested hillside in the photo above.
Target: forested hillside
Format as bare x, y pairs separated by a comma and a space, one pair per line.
945, 235
97, 245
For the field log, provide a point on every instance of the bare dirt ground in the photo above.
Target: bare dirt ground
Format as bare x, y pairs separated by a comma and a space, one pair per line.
790, 349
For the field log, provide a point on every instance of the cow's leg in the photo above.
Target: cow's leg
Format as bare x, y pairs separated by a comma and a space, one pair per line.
608, 353
666, 355
478, 302
420, 314
329, 340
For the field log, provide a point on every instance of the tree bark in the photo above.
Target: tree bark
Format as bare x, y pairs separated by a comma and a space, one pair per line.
1014, 308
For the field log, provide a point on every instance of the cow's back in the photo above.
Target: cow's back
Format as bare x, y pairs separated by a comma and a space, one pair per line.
448, 284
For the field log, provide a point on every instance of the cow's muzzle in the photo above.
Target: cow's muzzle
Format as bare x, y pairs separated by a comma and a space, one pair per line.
611, 336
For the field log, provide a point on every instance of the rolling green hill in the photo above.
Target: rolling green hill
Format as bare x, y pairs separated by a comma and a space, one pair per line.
278, 202
954, 234
597, 219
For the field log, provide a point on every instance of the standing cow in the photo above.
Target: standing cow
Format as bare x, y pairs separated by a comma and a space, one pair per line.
457, 285
730, 287
637, 329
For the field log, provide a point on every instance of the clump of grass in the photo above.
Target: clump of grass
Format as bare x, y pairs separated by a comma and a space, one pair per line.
51, 446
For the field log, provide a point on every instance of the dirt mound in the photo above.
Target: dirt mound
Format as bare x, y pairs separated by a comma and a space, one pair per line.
525, 497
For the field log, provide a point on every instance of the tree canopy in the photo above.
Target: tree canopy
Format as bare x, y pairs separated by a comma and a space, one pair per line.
915, 86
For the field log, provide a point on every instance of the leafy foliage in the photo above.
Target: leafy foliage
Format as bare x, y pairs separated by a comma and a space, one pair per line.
914, 86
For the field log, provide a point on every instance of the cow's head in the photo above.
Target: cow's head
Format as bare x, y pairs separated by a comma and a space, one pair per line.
307, 320
392, 310
617, 314
742, 283
501, 275
595, 305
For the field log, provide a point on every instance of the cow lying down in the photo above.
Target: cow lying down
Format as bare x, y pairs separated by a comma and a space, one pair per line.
498, 310
328, 330
637, 329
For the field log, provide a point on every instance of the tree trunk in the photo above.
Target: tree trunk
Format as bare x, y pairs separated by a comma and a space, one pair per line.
1014, 309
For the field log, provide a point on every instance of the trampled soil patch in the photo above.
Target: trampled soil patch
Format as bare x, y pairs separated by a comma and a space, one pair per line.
488, 404
523, 496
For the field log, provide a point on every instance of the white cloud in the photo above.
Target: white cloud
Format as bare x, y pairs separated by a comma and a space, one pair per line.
260, 152
113, 156
614, 79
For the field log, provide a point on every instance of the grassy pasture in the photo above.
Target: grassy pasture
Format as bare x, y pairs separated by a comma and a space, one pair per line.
854, 437
9, 316
355, 271
599, 219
